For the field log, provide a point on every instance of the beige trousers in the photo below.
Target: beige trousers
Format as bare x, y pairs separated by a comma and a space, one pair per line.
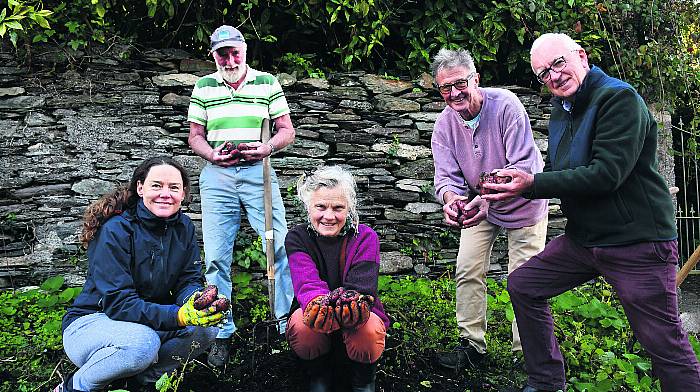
473, 260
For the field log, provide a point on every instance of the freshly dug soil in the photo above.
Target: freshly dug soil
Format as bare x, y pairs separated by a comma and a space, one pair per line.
266, 363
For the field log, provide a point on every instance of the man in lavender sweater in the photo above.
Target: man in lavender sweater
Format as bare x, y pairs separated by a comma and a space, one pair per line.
480, 130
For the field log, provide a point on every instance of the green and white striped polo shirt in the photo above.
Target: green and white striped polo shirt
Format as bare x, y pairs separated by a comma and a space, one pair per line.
236, 116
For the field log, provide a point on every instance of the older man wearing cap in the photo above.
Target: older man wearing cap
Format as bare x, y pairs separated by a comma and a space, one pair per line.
228, 108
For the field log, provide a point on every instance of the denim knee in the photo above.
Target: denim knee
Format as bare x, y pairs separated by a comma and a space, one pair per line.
141, 352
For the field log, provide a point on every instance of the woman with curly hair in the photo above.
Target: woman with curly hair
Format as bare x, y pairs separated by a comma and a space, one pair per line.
135, 316
334, 262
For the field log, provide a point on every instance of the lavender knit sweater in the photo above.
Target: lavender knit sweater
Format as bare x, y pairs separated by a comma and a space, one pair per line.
503, 139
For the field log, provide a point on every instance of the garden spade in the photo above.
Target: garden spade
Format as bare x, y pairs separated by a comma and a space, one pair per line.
688, 266
269, 232
269, 252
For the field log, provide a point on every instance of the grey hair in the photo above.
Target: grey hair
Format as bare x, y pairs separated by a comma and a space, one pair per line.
549, 37
448, 58
330, 177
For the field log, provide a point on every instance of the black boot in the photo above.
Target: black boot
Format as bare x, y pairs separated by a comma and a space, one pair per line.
464, 356
66, 385
319, 371
362, 376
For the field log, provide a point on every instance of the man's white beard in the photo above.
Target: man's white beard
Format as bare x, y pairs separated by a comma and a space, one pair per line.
231, 75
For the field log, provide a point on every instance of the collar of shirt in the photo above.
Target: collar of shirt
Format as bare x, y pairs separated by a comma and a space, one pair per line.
567, 105
473, 123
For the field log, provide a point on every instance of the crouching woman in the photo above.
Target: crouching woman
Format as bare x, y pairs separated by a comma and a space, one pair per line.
135, 316
334, 263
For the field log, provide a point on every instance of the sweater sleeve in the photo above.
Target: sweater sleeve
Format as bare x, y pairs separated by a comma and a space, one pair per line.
521, 150
448, 176
363, 264
306, 279
111, 256
620, 131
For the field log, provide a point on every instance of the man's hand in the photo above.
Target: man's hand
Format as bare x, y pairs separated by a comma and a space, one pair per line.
454, 213
198, 141
482, 207
256, 151
188, 315
319, 315
450, 210
224, 159
522, 181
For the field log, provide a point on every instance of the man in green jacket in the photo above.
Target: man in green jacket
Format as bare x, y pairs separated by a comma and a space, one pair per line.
602, 165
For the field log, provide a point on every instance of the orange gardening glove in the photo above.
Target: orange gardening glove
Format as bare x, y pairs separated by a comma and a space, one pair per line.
319, 315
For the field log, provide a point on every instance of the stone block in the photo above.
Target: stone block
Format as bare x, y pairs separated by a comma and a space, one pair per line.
394, 262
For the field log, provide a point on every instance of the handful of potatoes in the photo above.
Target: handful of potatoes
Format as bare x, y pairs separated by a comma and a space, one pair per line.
210, 297
464, 214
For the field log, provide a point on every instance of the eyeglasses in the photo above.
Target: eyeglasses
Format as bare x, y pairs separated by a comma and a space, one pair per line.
459, 84
557, 66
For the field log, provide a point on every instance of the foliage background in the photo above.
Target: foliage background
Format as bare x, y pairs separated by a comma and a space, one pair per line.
652, 44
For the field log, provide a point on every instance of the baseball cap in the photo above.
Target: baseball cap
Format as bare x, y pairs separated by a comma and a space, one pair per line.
226, 36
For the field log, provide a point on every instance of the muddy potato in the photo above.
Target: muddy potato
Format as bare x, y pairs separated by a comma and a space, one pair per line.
485, 177
208, 295
464, 214
221, 304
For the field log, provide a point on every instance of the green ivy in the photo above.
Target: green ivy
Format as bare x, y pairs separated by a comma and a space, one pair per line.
248, 297
590, 325
30, 325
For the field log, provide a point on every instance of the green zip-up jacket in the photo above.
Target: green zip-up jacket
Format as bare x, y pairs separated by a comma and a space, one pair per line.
602, 165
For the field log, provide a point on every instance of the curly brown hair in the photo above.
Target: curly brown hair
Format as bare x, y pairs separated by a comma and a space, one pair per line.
125, 197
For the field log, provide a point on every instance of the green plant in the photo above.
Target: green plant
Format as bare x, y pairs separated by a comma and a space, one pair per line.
30, 325
393, 150
171, 382
589, 323
593, 332
298, 64
248, 300
422, 312
249, 251
430, 248
74, 24
19, 18
291, 198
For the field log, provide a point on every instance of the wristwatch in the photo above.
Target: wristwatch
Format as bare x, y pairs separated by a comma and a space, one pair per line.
272, 148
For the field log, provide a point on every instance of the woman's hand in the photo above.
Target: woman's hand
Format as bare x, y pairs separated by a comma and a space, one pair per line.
319, 315
355, 312
188, 315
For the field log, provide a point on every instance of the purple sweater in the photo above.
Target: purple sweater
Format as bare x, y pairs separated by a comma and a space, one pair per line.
313, 262
503, 139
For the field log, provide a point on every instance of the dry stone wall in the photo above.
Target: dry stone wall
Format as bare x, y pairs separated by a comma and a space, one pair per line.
73, 126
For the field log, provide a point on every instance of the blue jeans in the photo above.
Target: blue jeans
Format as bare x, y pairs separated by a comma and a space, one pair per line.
225, 192
644, 278
106, 350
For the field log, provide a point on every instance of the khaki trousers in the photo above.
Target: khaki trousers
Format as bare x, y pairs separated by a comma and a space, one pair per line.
473, 260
